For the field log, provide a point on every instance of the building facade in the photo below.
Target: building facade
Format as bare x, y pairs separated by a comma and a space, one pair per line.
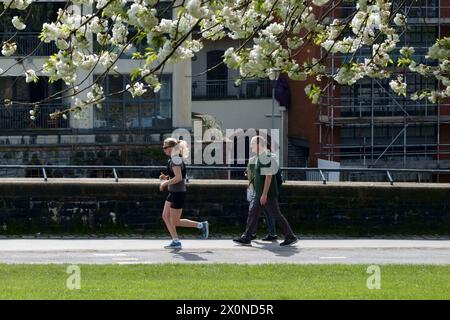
366, 125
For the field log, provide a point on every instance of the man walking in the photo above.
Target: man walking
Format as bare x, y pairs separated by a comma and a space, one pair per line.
272, 235
266, 191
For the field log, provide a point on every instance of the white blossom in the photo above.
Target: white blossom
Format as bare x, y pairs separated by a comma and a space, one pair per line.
17, 4
400, 20
136, 89
195, 8
30, 76
89, 61
17, 23
398, 86
9, 48
372, 27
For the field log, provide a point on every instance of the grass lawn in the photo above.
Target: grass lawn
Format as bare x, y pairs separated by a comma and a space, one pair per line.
224, 281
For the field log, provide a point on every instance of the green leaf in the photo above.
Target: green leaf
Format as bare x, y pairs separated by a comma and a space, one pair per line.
137, 55
403, 62
151, 57
136, 73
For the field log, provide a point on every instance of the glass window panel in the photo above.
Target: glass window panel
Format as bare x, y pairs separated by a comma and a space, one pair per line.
164, 9
428, 131
132, 115
149, 95
347, 133
166, 88
149, 112
100, 120
116, 84
165, 109
115, 114
6, 88
145, 111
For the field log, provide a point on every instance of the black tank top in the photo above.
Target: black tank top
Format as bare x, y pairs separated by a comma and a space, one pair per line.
180, 186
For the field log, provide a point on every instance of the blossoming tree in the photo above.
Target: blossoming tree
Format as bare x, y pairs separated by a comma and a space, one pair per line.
272, 34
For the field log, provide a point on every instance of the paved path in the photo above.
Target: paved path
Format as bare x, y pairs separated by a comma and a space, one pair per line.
124, 251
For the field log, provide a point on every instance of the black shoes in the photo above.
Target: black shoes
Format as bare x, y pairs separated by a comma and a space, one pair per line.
289, 241
242, 242
270, 238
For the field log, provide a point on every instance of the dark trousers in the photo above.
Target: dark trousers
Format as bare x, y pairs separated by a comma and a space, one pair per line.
273, 208
270, 221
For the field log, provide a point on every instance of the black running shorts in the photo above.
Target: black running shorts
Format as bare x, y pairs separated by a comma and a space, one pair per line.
176, 199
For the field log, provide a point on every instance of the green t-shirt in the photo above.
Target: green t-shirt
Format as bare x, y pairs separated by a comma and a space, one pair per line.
260, 166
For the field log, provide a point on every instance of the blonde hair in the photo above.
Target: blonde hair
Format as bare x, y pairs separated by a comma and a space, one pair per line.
180, 147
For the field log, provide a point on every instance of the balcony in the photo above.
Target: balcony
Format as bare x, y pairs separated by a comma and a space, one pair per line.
227, 90
419, 9
17, 117
28, 43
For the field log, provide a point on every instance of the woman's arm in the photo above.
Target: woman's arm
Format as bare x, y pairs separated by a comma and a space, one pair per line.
178, 177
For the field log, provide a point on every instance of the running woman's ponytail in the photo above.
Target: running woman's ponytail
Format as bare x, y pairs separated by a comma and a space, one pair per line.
180, 147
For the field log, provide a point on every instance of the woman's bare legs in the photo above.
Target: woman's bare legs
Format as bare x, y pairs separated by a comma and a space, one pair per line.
175, 220
166, 217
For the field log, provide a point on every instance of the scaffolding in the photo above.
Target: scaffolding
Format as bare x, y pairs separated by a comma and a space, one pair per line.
367, 125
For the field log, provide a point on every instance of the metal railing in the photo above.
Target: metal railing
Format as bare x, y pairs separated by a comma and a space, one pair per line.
47, 172
18, 117
421, 9
28, 43
382, 107
227, 90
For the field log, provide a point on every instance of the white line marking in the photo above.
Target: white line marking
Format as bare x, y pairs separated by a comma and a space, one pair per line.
110, 254
332, 257
125, 259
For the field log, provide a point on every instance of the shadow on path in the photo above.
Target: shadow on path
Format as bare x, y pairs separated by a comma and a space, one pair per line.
189, 256
275, 248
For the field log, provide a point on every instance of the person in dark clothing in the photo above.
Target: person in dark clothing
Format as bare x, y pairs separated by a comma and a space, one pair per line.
251, 196
266, 191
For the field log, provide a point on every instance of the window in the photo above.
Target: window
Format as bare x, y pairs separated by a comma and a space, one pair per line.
121, 111
17, 117
359, 99
34, 16
412, 8
422, 9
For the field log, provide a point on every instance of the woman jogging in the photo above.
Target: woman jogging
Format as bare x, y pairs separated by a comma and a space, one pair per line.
175, 182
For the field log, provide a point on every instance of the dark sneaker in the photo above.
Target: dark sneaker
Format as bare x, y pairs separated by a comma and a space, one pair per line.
253, 237
205, 229
242, 242
270, 237
289, 242
176, 245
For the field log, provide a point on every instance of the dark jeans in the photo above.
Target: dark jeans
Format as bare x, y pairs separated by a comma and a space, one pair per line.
270, 221
273, 208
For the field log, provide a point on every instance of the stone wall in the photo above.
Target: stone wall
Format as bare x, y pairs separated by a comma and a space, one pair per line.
134, 206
